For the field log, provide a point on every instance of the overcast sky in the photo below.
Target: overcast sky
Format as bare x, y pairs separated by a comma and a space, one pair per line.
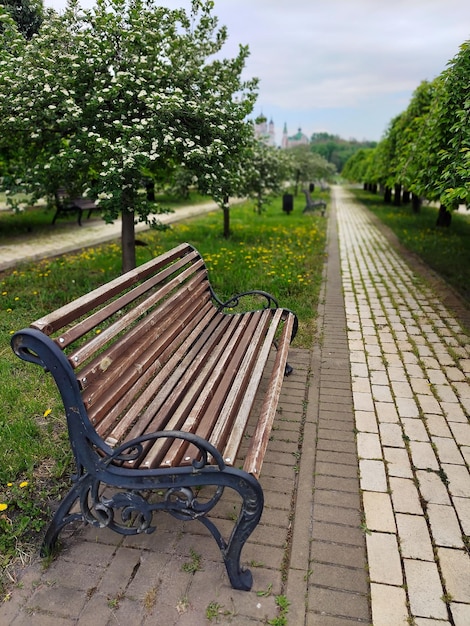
346, 67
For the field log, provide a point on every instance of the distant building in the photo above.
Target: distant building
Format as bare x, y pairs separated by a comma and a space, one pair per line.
299, 139
265, 132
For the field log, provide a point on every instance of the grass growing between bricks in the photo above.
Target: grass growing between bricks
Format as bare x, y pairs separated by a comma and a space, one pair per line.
279, 253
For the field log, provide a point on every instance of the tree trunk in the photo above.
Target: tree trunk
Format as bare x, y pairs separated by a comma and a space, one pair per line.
226, 210
406, 196
397, 197
416, 203
387, 195
444, 217
128, 240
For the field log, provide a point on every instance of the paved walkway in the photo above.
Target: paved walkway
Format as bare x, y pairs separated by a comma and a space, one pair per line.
366, 480
67, 236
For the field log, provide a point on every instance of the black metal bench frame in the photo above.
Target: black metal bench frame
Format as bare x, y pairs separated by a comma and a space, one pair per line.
65, 204
102, 463
312, 205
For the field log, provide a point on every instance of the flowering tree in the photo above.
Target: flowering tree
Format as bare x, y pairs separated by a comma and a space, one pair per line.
265, 172
100, 99
26, 13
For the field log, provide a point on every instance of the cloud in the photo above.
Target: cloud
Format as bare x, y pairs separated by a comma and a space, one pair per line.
344, 66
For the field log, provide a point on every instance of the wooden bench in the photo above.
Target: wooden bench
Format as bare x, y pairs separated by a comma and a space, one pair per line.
66, 204
312, 205
158, 379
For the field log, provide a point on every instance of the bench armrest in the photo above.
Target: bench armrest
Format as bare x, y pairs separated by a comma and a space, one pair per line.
234, 301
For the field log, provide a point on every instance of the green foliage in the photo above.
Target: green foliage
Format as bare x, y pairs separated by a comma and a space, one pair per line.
427, 147
102, 98
336, 150
265, 171
27, 15
359, 167
309, 167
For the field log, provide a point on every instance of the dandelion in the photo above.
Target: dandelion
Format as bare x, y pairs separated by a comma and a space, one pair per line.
24, 484
3, 506
47, 412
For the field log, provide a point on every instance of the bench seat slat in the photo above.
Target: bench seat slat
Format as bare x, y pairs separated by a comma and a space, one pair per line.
188, 364
260, 438
208, 391
240, 382
154, 360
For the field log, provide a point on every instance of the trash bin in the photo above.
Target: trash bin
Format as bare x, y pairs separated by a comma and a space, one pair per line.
287, 203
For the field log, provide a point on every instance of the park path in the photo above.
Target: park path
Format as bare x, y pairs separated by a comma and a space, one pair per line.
66, 237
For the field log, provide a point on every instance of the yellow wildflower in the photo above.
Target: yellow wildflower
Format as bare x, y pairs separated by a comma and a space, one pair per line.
47, 412
24, 484
3, 506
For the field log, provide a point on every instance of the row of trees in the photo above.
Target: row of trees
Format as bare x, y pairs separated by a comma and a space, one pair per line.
336, 150
426, 149
100, 101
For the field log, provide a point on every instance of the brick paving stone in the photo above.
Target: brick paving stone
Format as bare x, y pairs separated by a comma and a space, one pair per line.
407, 407
379, 512
461, 432
445, 393
429, 404
445, 527
372, 475
455, 566
391, 435
460, 613
405, 496
424, 589
448, 451
398, 463
384, 558
423, 456
388, 605
459, 479
437, 426
462, 506
386, 412
368, 446
366, 421
432, 488
363, 401
415, 429
402, 389
415, 542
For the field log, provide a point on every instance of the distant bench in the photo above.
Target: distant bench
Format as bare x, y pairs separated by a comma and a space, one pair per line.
65, 204
158, 379
312, 205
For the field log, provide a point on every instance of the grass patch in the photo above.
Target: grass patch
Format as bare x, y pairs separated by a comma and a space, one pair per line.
445, 250
279, 253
